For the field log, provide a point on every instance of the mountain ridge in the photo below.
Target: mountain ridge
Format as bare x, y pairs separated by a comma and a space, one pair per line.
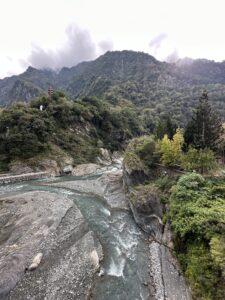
126, 75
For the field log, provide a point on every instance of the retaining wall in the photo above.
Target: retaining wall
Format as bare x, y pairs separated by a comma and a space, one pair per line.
22, 177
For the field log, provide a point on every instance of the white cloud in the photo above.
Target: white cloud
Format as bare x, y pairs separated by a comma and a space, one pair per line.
78, 47
194, 28
106, 45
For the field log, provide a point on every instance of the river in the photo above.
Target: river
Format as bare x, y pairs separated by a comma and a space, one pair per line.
124, 271
92, 247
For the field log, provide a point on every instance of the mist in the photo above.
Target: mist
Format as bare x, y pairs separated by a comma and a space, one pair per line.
172, 57
156, 42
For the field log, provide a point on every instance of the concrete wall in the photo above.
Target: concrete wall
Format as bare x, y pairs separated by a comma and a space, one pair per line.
23, 177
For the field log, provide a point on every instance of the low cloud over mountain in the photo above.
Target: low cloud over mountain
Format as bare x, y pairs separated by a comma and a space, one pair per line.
79, 47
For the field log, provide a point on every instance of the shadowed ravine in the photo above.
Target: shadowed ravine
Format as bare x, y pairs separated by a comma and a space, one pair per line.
123, 271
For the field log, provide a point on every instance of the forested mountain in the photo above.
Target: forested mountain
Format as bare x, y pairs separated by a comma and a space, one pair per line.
120, 76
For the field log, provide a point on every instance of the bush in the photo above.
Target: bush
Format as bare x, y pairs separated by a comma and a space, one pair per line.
202, 160
218, 190
133, 162
140, 153
217, 250
197, 215
164, 183
192, 180
202, 273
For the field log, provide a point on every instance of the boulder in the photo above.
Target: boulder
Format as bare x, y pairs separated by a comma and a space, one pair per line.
133, 176
85, 169
67, 169
36, 262
147, 209
105, 157
117, 158
105, 154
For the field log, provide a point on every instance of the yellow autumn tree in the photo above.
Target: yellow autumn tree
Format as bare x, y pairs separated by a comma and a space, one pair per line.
166, 150
177, 144
171, 150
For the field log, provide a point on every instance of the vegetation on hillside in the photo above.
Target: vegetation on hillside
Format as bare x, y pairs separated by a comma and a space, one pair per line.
161, 88
194, 205
205, 128
197, 214
80, 128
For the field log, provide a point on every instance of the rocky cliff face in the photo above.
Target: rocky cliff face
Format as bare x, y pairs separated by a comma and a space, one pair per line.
167, 280
50, 224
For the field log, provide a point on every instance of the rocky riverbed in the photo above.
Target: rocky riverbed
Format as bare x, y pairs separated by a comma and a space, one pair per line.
43, 222
90, 246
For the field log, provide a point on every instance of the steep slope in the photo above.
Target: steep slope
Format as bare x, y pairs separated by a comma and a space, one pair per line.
127, 75
25, 86
64, 128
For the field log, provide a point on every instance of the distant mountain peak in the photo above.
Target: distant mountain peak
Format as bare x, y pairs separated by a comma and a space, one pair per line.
31, 69
127, 54
125, 75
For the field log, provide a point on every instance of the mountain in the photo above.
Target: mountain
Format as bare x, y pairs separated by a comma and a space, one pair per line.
120, 76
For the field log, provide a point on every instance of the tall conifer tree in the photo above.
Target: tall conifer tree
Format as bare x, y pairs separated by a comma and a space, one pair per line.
205, 128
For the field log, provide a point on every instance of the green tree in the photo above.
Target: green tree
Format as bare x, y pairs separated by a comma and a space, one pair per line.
165, 126
205, 128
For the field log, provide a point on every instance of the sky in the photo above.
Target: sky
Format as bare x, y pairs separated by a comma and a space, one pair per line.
58, 33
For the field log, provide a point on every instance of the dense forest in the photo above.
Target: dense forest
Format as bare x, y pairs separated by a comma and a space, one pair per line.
126, 78
79, 128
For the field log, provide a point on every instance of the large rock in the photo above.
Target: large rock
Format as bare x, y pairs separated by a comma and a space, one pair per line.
50, 224
117, 158
18, 167
85, 169
105, 157
147, 209
50, 166
134, 176
67, 169
105, 154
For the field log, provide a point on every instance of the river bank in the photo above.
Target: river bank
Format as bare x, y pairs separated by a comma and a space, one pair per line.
167, 281
91, 246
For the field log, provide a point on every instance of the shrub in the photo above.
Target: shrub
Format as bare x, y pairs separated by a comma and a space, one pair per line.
164, 183
217, 250
133, 162
218, 190
192, 180
202, 160
144, 148
202, 273
197, 215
